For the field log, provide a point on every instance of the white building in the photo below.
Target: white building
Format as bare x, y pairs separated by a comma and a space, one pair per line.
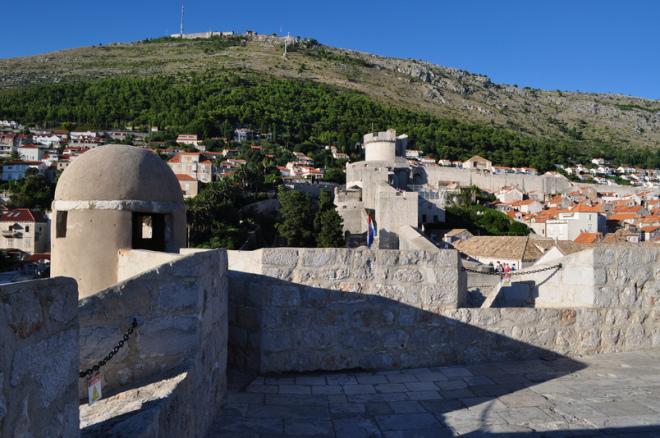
573, 221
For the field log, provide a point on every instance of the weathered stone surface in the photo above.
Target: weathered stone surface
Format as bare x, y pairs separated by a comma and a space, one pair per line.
406, 316
635, 336
359, 340
589, 317
97, 341
590, 338
396, 340
439, 338
168, 336
177, 296
381, 360
568, 316
285, 296
284, 274
52, 375
278, 341
318, 257
313, 297
617, 316
392, 292
438, 295
25, 313
611, 336
372, 318
486, 316
280, 256
3, 400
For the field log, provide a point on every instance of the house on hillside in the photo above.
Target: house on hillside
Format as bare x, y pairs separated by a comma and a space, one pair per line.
570, 222
189, 185
13, 170
478, 163
24, 232
30, 152
188, 139
193, 164
508, 194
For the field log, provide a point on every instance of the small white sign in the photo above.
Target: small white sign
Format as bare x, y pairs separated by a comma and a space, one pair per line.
94, 387
506, 281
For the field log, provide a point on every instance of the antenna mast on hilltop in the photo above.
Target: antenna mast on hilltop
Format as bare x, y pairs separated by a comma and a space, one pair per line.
181, 21
286, 43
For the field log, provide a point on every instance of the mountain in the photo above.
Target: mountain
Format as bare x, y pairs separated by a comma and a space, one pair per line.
604, 120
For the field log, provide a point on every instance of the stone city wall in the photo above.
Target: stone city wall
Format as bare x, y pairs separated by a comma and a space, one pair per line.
303, 310
313, 189
181, 309
308, 309
39, 360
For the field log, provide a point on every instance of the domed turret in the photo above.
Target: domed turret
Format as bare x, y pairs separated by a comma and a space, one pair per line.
112, 198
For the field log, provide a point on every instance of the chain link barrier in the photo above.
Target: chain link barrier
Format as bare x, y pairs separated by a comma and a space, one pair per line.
114, 351
549, 268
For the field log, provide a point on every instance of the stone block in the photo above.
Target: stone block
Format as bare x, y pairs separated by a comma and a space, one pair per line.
330, 318
97, 341
298, 318
416, 359
458, 316
25, 313
417, 257
568, 317
629, 297
168, 337
418, 339
177, 296
388, 258
318, 257
313, 297
358, 340
382, 360
284, 274
633, 256
635, 337
319, 339
406, 316
439, 295
304, 275
408, 275
475, 354
464, 336
611, 336
372, 318
600, 276
604, 256
334, 361
396, 340
606, 297
578, 275
617, 316
64, 306
280, 256
439, 338
274, 342
50, 363
393, 292
486, 316
590, 338
413, 294
303, 361
565, 337
589, 317
281, 296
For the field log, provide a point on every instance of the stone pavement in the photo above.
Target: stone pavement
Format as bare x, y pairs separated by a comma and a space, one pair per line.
615, 394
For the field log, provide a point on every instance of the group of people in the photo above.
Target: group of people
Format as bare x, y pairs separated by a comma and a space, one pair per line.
503, 267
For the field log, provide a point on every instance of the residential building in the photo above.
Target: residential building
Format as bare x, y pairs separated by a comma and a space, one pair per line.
571, 222
194, 164
189, 185
190, 139
30, 152
478, 163
13, 170
23, 231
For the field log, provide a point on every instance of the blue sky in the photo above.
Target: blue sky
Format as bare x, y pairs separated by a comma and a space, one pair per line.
592, 46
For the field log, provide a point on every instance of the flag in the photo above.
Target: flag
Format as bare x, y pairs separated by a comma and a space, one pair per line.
371, 232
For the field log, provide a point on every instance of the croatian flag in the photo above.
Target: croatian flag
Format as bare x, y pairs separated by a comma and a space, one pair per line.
371, 232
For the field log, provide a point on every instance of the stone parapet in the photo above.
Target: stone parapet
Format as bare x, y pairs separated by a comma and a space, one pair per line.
39, 360
332, 309
181, 309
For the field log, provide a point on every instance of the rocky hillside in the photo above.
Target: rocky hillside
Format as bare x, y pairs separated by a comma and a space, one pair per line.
412, 84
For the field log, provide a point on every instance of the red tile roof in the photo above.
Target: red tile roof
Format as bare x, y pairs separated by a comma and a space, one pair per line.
22, 215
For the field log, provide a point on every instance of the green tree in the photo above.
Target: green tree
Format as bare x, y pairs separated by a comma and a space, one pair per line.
328, 223
298, 221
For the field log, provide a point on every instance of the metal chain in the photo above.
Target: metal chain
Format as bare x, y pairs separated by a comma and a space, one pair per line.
559, 266
114, 351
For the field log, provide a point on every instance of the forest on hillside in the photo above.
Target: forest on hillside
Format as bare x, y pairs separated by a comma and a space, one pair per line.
296, 112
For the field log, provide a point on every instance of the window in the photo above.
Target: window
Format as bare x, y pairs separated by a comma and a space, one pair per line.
10, 241
149, 231
60, 224
27, 242
27, 229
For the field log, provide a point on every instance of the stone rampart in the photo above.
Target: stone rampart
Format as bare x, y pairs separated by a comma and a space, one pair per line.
308, 309
39, 360
181, 309
303, 309
313, 189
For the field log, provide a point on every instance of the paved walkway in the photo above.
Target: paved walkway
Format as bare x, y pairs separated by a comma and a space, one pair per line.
605, 395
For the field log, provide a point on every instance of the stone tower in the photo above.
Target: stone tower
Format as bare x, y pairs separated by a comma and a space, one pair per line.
109, 199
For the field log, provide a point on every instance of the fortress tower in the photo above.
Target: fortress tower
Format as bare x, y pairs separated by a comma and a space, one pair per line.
112, 198
384, 146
